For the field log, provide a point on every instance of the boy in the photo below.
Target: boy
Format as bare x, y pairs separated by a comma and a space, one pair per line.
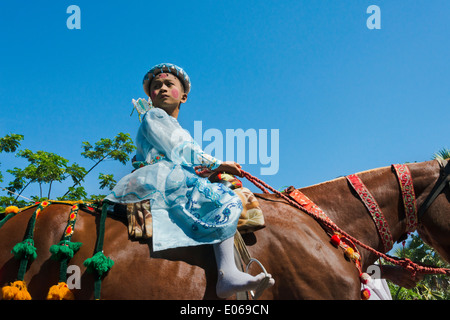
187, 209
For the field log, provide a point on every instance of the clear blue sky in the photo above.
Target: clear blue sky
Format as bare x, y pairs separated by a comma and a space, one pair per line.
343, 98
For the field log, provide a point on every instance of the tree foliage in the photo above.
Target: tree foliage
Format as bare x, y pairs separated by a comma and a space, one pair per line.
46, 168
118, 149
443, 154
432, 287
9, 143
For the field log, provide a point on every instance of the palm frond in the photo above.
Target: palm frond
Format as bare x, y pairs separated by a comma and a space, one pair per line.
443, 154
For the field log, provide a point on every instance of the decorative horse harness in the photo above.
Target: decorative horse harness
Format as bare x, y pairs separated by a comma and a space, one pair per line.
409, 201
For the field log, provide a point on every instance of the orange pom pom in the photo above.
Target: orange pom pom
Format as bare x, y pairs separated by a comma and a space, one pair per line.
60, 292
16, 291
9, 292
349, 252
365, 294
352, 254
11, 209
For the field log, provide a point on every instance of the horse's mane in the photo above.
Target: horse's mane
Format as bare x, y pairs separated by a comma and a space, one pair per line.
274, 197
343, 177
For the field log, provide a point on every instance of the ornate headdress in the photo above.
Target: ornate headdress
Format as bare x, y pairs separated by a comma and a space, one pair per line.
142, 105
166, 68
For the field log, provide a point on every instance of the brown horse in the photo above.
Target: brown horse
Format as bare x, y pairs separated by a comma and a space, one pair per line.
293, 247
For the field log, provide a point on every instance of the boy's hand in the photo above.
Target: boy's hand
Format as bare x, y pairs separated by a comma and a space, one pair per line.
231, 168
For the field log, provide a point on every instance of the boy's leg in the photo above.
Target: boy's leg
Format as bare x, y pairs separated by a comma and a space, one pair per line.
230, 279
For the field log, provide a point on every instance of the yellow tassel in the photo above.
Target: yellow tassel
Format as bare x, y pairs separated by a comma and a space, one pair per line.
60, 292
349, 252
16, 291
11, 209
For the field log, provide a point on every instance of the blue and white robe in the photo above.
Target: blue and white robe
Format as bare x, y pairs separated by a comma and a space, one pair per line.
187, 210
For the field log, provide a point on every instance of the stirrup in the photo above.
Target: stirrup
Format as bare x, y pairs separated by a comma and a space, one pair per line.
263, 285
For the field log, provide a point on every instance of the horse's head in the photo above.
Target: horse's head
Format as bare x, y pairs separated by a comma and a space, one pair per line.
434, 214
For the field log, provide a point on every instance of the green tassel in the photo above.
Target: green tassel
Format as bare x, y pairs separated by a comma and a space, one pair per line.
25, 249
64, 250
99, 263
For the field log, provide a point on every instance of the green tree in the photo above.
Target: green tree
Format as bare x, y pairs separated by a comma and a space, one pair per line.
432, 287
45, 168
106, 149
106, 181
443, 154
9, 143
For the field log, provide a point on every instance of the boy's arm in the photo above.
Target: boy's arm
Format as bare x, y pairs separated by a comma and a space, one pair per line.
205, 160
175, 142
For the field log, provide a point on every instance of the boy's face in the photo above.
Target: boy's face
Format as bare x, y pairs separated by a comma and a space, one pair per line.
166, 91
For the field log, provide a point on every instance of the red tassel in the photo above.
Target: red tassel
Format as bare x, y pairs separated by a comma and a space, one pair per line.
335, 240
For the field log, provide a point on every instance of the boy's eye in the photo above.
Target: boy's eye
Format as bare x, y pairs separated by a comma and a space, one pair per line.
158, 84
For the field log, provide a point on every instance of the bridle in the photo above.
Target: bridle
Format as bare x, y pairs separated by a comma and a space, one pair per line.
443, 180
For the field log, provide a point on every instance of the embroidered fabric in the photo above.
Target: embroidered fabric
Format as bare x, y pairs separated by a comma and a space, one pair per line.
140, 164
408, 195
374, 210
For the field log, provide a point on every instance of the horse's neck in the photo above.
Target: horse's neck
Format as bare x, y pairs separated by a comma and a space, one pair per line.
424, 175
344, 207
337, 199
